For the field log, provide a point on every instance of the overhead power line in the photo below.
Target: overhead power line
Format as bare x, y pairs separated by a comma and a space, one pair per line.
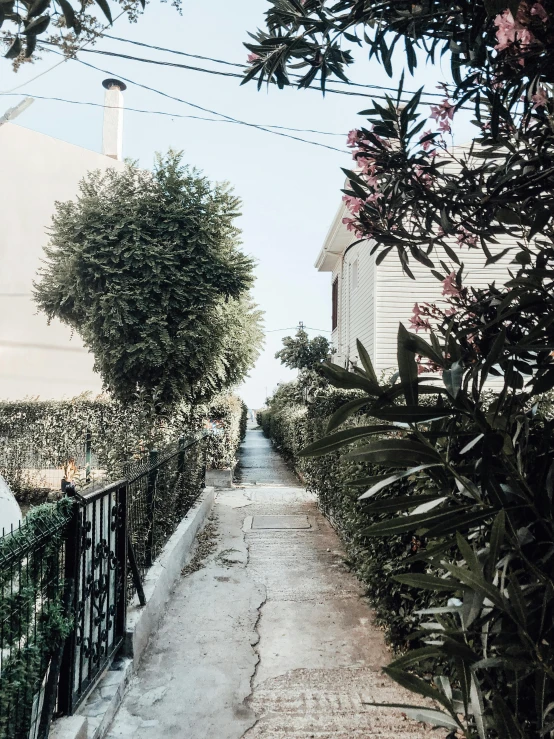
206, 110
166, 113
245, 66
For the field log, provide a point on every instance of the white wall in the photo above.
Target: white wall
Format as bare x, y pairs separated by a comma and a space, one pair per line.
36, 171
396, 293
356, 318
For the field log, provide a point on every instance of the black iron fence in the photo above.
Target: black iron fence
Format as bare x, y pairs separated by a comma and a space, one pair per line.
64, 583
160, 493
33, 619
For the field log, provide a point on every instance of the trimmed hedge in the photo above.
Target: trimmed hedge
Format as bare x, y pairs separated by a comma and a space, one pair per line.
37, 434
292, 425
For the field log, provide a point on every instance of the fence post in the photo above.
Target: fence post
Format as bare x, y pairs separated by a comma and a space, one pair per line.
181, 458
150, 502
88, 456
71, 576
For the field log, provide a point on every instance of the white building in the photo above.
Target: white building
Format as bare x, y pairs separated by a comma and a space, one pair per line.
370, 300
35, 172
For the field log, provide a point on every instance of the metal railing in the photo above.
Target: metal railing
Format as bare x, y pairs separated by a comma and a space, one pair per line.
160, 494
33, 620
65, 583
96, 562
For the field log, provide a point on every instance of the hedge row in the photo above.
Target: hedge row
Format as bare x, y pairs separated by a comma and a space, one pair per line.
37, 435
292, 425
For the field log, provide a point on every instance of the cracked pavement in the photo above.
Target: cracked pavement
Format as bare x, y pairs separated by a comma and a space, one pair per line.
271, 637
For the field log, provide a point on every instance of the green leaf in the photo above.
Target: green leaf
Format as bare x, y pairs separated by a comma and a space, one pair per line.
477, 708
385, 481
346, 410
506, 721
497, 537
417, 344
103, 5
462, 523
403, 524
366, 362
452, 378
339, 377
416, 685
407, 366
14, 50
468, 554
411, 414
68, 12
432, 716
396, 453
477, 582
37, 26
428, 582
342, 438
401, 503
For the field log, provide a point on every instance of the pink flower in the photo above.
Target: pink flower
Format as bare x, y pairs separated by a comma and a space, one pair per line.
252, 58
540, 98
539, 11
353, 204
423, 176
443, 114
427, 144
466, 237
417, 322
352, 138
374, 197
509, 31
352, 225
449, 285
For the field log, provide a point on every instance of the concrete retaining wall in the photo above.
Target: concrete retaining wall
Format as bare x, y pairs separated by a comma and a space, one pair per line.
95, 715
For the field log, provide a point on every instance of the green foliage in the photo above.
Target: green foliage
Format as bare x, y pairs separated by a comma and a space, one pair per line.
302, 353
484, 499
146, 267
243, 420
33, 621
54, 432
60, 23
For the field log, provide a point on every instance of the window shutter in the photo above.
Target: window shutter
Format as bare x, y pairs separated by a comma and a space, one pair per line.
335, 315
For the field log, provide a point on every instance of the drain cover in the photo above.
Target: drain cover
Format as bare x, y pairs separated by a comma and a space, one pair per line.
280, 522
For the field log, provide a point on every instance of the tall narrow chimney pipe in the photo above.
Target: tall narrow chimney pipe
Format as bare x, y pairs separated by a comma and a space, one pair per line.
112, 131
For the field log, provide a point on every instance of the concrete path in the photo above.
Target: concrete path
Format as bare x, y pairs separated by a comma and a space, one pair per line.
270, 636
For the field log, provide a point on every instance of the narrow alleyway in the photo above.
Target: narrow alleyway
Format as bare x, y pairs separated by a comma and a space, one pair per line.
270, 638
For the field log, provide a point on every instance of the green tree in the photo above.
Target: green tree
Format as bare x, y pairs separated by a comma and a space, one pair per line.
302, 353
146, 267
58, 23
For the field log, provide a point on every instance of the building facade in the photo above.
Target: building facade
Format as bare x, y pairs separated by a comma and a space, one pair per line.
368, 301
37, 359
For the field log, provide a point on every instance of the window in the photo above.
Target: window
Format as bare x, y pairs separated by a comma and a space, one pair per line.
335, 298
354, 275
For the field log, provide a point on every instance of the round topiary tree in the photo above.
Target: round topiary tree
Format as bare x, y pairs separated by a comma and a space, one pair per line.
146, 267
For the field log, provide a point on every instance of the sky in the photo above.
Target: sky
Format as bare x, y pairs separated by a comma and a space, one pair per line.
290, 190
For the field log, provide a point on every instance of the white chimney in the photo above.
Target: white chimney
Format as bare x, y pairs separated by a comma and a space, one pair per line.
112, 132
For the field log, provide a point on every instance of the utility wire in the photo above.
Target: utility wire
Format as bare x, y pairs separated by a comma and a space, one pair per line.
207, 110
220, 73
245, 66
166, 113
293, 328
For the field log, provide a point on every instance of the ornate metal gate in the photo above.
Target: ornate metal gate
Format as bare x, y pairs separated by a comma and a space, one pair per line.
96, 562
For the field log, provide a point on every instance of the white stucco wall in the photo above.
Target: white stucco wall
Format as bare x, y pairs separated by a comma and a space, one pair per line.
35, 172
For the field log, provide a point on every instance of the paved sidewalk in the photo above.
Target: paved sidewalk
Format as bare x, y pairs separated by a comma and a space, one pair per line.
271, 638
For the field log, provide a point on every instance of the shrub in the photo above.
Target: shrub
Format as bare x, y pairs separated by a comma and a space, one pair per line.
37, 434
